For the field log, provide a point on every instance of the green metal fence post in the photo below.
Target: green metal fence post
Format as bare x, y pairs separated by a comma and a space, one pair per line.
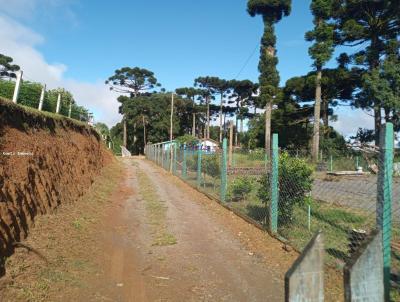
175, 158
273, 210
224, 170
384, 199
331, 163
357, 163
184, 162
199, 153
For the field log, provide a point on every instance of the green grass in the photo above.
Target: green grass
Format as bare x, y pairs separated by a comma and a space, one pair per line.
8, 107
156, 212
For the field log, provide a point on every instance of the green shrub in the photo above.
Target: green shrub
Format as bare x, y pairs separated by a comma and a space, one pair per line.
187, 139
295, 181
191, 160
257, 154
210, 164
239, 188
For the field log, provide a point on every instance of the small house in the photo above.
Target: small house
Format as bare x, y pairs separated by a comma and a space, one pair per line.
209, 145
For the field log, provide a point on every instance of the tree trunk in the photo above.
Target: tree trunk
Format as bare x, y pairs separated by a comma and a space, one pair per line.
317, 115
268, 113
134, 134
377, 123
220, 119
230, 157
225, 123
325, 113
125, 134
144, 132
236, 131
194, 125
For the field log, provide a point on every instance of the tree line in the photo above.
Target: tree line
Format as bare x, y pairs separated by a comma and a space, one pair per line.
367, 76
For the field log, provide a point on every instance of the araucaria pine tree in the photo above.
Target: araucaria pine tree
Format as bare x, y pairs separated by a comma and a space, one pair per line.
370, 27
321, 51
272, 12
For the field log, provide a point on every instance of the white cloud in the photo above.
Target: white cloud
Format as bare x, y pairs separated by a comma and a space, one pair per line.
350, 120
20, 43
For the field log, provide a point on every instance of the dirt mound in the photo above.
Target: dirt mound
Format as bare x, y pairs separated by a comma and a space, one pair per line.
45, 160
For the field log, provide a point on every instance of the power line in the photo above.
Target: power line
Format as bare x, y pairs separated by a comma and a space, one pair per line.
248, 60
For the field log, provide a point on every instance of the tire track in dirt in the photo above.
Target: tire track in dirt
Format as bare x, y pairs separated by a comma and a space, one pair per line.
208, 263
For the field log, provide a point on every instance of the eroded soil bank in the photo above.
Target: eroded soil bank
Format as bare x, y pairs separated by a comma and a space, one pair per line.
153, 239
45, 161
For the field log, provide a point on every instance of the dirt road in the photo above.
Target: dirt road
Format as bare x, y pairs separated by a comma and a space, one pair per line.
156, 240
206, 261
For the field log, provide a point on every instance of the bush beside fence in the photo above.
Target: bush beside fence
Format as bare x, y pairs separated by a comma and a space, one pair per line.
290, 198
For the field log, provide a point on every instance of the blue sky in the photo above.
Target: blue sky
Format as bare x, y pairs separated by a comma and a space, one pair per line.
178, 40
81, 43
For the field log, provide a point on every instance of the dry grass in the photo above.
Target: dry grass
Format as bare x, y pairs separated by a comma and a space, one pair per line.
156, 212
66, 239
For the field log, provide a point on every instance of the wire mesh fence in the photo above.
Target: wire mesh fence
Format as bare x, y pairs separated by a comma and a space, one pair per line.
346, 196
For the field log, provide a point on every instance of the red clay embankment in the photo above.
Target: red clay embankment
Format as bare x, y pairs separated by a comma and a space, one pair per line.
45, 160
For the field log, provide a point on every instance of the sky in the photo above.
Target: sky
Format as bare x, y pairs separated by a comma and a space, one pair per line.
77, 44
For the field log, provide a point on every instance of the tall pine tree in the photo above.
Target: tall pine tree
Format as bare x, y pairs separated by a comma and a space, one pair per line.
321, 51
369, 26
272, 11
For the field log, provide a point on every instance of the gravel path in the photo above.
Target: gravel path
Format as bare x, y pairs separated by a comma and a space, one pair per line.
355, 192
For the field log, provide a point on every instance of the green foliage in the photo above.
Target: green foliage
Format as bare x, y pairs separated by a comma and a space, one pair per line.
257, 154
102, 129
333, 144
116, 138
155, 110
134, 81
288, 121
191, 161
295, 181
239, 188
187, 139
271, 9
336, 84
272, 12
382, 84
7, 68
210, 164
364, 135
370, 26
29, 96
322, 34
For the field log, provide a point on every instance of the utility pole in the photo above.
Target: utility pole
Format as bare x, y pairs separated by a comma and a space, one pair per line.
58, 103
171, 129
42, 97
194, 125
17, 86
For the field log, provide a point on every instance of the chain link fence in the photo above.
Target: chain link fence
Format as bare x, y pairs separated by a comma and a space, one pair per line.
346, 196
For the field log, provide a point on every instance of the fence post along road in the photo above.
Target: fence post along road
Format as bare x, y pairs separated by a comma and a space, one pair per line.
292, 199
